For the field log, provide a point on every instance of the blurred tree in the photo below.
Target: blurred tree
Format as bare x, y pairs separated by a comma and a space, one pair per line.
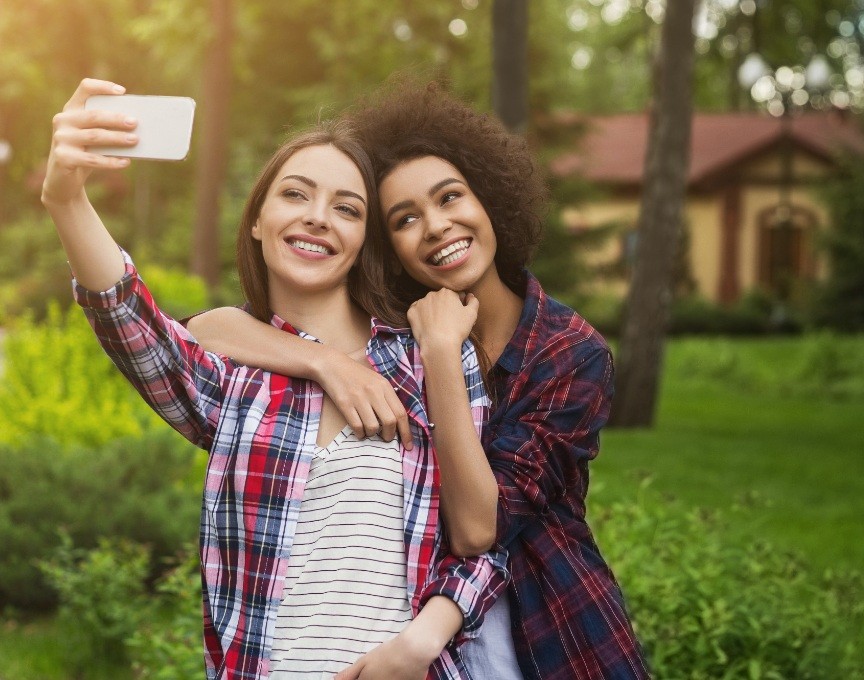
212, 157
640, 354
839, 301
788, 33
510, 62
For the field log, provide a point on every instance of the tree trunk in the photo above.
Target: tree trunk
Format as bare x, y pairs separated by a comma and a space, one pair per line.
212, 144
510, 62
640, 356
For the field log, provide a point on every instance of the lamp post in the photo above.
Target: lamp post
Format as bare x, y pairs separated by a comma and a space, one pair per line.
781, 90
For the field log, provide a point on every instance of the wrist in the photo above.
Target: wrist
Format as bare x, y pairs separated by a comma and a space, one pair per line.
423, 643
433, 628
322, 362
439, 349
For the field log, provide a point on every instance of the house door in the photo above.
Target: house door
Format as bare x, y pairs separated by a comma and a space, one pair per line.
784, 249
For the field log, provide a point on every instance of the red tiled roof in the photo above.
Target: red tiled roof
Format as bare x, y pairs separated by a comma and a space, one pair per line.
612, 150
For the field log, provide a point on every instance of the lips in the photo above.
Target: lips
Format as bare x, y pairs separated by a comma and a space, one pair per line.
310, 245
450, 252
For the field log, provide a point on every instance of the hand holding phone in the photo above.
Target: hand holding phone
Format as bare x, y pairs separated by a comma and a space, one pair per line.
164, 125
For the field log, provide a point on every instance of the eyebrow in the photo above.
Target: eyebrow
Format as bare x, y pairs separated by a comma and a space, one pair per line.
432, 191
314, 185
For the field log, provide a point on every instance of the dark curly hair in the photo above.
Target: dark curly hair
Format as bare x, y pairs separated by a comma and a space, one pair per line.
405, 120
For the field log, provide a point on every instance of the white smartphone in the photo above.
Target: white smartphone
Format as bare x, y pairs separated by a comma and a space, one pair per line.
164, 125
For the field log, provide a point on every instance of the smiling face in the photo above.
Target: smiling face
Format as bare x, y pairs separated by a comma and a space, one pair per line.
438, 228
312, 223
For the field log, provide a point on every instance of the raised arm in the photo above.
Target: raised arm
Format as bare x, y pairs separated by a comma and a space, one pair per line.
93, 255
469, 492
173, 374
365, 399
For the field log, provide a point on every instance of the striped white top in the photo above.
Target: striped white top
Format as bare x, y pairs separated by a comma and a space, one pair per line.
345, 588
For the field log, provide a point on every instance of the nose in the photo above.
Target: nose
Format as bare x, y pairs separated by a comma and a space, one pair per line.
316, 216
437, 225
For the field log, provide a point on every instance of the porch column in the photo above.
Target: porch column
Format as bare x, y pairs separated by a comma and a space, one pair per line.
730, 241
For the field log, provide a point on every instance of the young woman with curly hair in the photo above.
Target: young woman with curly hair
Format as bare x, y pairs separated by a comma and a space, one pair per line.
461, 200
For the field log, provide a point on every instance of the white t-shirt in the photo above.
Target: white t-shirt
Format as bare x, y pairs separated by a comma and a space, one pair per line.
345, 588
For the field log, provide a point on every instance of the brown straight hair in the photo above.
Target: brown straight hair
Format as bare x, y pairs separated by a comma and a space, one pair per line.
366, 280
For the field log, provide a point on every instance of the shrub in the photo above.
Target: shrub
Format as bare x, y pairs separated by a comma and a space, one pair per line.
117, 614
838, 302
754, 314
33, 267
177, 293
829, 365
816, 365
102, 591
146, 490
168, 644
703, 607
706, 608
604, 312
57, 382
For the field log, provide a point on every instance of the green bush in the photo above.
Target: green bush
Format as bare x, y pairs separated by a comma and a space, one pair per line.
33, 267
829, 365
754, 314
168, 644
145, 489
838, 301
820, 365
102, 591
57, 382
176, 292
117, 614
704, 607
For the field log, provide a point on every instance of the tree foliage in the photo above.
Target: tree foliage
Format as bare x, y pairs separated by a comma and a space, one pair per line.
839, 302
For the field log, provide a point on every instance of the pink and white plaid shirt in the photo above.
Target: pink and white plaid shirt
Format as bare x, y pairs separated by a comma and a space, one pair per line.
260, 430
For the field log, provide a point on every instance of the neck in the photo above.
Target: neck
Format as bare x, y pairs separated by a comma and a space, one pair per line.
498, 317
330, 316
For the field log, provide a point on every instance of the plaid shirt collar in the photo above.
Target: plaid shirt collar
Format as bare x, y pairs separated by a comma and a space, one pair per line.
518, 351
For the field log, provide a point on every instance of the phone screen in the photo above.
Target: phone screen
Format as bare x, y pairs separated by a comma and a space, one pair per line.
164, 124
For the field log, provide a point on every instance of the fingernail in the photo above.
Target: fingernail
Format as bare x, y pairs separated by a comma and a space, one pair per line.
130, 121
132, 138
119, 89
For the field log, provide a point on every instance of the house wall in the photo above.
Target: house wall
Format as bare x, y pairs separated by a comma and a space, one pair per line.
704, 217
759, 185
761, 191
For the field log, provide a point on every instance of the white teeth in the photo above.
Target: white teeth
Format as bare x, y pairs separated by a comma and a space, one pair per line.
311, 247
451, 253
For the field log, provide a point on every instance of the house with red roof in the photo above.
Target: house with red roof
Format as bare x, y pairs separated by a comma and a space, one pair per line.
753, 210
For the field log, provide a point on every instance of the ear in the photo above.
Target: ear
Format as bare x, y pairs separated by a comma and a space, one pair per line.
256, 231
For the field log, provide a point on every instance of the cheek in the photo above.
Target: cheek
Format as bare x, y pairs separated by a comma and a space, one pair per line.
404, 252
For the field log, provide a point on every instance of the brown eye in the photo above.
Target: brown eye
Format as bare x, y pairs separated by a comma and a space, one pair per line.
405, 220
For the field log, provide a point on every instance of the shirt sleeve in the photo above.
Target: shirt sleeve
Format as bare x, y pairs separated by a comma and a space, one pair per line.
541, 453
472, 583
174, 375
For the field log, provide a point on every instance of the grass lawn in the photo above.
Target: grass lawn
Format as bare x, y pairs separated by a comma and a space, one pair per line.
755, 422
43, 650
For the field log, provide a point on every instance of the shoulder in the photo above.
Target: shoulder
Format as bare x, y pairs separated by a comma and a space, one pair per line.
562, 342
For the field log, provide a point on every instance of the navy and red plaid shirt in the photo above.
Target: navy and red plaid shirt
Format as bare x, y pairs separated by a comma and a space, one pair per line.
260, 430
553, 385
